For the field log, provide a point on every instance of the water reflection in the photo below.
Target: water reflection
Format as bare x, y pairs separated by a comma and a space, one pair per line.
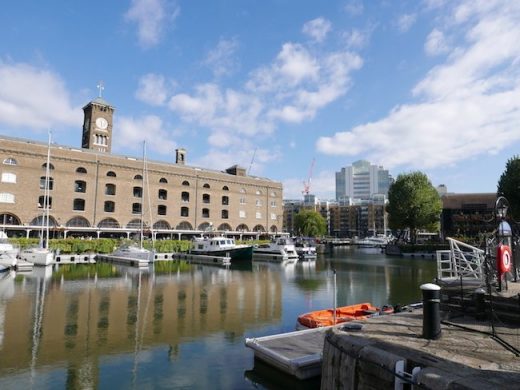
103, 325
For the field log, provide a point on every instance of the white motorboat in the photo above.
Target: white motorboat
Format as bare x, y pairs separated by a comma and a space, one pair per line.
8, 253
279, 249
305, 248
221, 246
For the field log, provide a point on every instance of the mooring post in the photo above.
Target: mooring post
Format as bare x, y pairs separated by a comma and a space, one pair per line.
431, 294
479, 297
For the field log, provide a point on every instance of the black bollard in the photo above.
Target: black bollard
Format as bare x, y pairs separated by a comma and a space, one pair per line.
479, 297
431, 294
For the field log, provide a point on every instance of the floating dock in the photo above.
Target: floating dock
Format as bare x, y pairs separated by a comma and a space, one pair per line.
86, 258
273, 258
131, 261
203, 259
389, 348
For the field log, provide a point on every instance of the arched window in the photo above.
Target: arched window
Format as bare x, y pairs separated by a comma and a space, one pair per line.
273, 229
225, 188
110, 189
224, 227
185, 196
138, 177
185, 212
161, 209
80, 186
42, 203
78, 205
163, 180
242, 228
163, 194
184, 226
205, 226
138, 192
258, 228
206, 185
225, 200
109, 206
50, 183
10, 161
111, 174
44, 167
161, 225
205, 213
258, 192
134, 224
109, 223
81, 170
78, 222
186, 183
225, 214
8, 219
205, 198
242, 190
136, 208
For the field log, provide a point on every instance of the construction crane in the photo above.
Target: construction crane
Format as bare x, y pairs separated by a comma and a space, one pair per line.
307, 184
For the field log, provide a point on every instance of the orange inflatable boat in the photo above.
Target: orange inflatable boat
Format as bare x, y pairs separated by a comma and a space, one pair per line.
360, 311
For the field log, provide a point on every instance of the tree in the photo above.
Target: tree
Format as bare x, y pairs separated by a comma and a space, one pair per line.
509, 186
413, 203
310, 223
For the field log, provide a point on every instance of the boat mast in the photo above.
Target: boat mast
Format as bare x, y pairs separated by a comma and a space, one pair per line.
143, 196
45, 219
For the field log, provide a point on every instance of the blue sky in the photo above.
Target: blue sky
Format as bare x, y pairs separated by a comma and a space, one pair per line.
428, 85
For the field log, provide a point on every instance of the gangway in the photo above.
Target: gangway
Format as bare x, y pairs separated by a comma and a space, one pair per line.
461, 260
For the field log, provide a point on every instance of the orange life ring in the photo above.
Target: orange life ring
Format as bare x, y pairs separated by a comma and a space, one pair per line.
503, 258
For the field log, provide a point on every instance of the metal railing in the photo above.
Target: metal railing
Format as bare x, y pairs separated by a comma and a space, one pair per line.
462, 260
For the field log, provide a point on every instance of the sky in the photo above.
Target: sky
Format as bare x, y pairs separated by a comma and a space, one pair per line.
291, 90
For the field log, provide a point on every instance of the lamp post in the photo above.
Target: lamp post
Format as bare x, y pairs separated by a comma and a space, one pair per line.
504, 238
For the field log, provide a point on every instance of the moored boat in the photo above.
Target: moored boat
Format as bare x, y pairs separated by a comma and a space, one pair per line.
221, 246
8, 253
282, 248
306, 248
320, 318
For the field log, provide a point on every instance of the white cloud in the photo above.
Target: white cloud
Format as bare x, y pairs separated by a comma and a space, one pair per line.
317, 29
436, 43
151, 17
355, 38
152, 89
406, 21
221, 59
34, 98
131, 132
469, 106
354, 7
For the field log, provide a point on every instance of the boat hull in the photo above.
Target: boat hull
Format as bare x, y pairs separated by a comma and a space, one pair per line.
236, 254
38, 256
320, 318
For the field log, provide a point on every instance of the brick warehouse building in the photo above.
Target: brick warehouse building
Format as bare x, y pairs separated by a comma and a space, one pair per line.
95, 193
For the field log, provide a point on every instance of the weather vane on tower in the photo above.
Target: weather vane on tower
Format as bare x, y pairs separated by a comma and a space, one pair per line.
100, 87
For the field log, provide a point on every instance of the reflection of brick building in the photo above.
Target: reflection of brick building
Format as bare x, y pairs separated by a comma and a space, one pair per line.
82, 321
92, 191
467, 215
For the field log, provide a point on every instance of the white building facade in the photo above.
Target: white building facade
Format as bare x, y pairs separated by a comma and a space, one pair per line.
362, 180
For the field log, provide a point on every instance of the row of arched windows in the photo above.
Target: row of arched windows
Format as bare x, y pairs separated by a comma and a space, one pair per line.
111, 223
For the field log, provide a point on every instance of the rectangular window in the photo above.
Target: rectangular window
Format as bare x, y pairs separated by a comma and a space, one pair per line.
258, 203
273, 216
273, 203
8, 178
6, 197
258, 215
242, 200
242, 214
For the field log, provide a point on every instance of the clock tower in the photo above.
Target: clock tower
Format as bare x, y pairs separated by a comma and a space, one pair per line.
97, 125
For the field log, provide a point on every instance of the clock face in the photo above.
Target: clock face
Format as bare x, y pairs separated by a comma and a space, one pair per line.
101, 123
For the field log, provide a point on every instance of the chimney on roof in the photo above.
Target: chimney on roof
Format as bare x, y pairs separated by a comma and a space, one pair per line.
180, 156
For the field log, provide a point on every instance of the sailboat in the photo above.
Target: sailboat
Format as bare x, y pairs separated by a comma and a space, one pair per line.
41, 255
134, 251
8, 253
